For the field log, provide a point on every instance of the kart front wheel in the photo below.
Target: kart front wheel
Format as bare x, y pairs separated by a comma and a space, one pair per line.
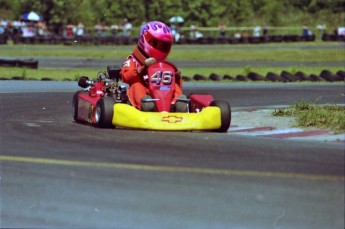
104, 112
75, 104
225, 116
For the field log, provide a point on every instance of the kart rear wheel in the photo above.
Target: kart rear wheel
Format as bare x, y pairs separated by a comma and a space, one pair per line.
75, 104
225, 116
104, 112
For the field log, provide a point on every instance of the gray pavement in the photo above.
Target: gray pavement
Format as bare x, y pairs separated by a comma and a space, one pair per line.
56, 173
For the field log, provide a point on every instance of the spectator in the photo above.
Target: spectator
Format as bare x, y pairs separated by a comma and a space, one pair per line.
15, 29
237, 35
341, 31
265, 30
198, 34
126, 28
69, 30
42, 28
306, 32
29, 30
104, 30
80, 29
2, 29
222, 28
257, 31
126, 31
3, 25
114, 28
177, 36
98, 28
321, 29
192, 33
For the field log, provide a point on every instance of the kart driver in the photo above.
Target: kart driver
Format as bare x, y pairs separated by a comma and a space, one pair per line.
154, 44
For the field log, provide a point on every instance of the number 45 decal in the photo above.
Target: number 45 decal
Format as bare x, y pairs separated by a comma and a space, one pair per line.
164, 77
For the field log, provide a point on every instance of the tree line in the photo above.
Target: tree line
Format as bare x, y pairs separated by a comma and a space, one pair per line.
202, 13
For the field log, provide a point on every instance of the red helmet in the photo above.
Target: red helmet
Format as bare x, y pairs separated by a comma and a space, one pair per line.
155, 40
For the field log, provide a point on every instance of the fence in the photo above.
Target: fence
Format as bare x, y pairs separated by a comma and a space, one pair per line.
201, 35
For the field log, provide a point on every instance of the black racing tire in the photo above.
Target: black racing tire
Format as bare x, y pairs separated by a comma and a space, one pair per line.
75, 104
199, 77
186, 78
255, 76
104, 112
225, 112
275, 77
341, 74
301, 76
327, 75
241, 78
315, 78
214, 77
228, 77
288, 76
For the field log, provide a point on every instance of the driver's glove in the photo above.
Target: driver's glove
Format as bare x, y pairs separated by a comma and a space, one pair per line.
148, 62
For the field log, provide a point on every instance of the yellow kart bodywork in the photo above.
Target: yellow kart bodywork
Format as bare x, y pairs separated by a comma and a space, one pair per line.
128, 116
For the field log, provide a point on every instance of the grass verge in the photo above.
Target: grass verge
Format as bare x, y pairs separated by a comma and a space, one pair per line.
307, 114
262, 52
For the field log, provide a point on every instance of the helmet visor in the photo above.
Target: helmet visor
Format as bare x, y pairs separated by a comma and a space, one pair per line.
160, 45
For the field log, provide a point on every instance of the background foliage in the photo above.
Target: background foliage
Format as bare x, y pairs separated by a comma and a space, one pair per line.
199, 12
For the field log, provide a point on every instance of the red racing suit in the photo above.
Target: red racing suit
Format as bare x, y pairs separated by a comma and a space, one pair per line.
137, 88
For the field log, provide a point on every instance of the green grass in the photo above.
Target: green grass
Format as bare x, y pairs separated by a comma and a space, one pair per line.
286, 52
260, 55
307, 114
55, 74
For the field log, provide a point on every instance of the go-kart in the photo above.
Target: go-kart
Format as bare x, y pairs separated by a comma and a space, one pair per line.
104, 103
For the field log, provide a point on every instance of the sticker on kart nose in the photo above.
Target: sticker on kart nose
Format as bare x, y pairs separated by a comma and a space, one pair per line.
164, 88
172, 119
165, 77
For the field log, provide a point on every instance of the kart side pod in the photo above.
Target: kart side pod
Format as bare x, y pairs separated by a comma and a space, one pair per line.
198, 102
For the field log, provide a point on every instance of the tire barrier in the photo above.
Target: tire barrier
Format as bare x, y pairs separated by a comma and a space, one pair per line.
341, 74
29, 63
274, 77
333, 37
199, 77
315, 78
3, 39
283, 77
186, 78
214, 77
256, 77
241, 78
329, 76
228, 77
288, 76
302, 76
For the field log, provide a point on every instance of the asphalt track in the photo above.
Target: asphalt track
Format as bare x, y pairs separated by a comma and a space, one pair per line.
56, 173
